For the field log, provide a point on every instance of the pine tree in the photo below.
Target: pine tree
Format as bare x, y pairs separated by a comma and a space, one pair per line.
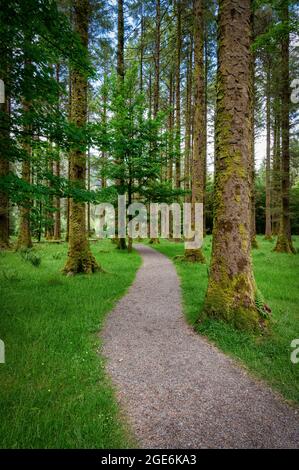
80, 259
231, 286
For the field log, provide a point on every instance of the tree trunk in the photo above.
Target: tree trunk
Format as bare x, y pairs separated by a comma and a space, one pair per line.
156, 96
57, 217
157, 59
231, 288
68, 203
268, 229
276, 174
57, 224
88, 187
284, 241
206, 71
141, 51
170, 128
121, 74
188, 110
24, 237
254, 243
80, 258
198, 161
178, 94
4, 170
49, 214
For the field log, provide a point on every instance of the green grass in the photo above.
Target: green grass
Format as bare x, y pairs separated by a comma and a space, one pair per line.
53, 389
277, 277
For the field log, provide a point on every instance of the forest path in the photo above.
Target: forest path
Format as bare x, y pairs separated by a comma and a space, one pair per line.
177, 389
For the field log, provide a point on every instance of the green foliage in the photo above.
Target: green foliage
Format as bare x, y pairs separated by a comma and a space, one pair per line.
133, 142
260, 304
30, 255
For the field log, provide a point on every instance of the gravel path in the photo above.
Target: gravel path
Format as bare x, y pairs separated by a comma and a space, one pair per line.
177, 389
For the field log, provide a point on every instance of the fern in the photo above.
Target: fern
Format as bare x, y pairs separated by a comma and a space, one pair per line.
260, 304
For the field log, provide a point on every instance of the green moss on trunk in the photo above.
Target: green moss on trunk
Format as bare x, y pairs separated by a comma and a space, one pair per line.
80, 259
24, 237
254, 243
231, 300
284, 244
194, 256
231, 288
154, 241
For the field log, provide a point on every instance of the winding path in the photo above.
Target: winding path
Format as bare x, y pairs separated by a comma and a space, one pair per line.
177, 389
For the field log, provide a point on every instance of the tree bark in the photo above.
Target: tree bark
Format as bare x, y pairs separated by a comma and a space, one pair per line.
276, 173
231, 287
141, 50
4, 170
188, 110
57, 224
80, 258
170, 128
254, 243
268, 229
50, 216
121, 75
157, 59
198, 160
178, 93
206, 71
57, 217
24, 237
284, 240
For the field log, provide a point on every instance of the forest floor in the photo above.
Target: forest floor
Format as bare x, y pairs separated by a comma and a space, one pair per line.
277, 277
54, 391
176, 388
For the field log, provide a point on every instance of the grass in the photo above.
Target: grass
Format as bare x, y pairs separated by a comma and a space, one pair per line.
53, 389
277, 277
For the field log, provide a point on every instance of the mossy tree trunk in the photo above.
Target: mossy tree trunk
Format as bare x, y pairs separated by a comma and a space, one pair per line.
206, 72
231, 287
254, 243
284, 241
198, 156
80, 258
